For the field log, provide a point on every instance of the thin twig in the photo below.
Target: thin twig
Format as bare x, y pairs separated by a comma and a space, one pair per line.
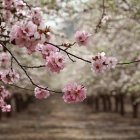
27, 4
68, 53
32, 67
127, 63
98, 26
21, 87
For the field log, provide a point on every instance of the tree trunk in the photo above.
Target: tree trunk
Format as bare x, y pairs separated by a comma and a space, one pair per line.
104, 103
135, 110
134, 106
109, 105
122, 109
116, 103
96, 103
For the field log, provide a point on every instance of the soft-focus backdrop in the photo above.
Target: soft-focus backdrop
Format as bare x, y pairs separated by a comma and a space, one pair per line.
110, 111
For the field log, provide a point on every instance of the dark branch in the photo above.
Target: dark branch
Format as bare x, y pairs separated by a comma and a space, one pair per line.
26, 71
98, 26
68, 53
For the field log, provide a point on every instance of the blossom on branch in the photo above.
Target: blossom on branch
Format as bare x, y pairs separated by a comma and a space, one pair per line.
100, 63
74, 93
46, 49
36, 16
4, 94
6, 108
4, 58
9, 76
82, 38
22, 35
41, 93
7, 4
19, 4
55, 62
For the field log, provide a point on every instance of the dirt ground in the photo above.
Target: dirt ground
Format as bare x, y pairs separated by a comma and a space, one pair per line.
52, 119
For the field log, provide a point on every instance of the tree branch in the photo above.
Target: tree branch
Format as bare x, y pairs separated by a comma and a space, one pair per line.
26, 71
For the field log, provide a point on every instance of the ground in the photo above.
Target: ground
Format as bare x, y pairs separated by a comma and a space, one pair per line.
52, 119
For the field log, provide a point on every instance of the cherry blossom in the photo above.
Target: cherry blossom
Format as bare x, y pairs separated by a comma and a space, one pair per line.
19, 4
55, 62
74, 93
6, 108
16, 35
4, 94
82, 38
7, 4
41, 93
4, 58
28, 29
22, 35
101, 63
43, 34
2, 102
9, 76
36, 16
46, 49
7, 16
111, 62
98, 63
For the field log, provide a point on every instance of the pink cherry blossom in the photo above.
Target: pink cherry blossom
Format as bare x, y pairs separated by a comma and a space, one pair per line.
46, 49
43, 34
100, 63
2, 102
30, 45
19, 4
4, 93
74, 93
22, 35
111, 62
6, 108
82, 38
28, 29
16, 35
7, 15
41, 93
36, 16
55, 62
4, 58
7, 4
9, 76
40, 36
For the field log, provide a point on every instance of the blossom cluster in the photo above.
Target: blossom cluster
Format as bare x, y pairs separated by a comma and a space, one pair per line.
10, 7
7, 76
101, 63
41, 93
54, 60
4, 95
72, 93
26, 29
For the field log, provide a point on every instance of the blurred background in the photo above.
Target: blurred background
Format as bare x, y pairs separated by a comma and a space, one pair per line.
111, 110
